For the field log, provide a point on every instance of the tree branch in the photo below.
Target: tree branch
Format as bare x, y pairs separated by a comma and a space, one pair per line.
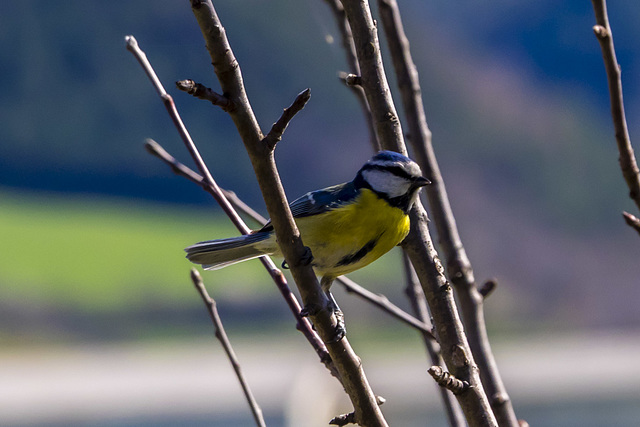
628, 162
418, 244
210, 185
221, 335
454, 254
419, 304
261, 155
373, 78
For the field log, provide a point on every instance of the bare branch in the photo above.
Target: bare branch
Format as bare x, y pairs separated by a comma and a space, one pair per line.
221, 335
132, 46
200, 91
418, 244
180, 169
419, 305
454, 254
275, 134
628, 162
207, 181
448, 381
229, 75
373, 78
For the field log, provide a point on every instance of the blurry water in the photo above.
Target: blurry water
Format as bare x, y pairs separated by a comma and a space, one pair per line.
582, 381
620, 413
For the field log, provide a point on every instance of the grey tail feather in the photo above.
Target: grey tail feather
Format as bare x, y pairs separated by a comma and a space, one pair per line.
216, 254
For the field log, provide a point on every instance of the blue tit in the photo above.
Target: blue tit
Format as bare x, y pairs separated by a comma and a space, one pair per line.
346, 226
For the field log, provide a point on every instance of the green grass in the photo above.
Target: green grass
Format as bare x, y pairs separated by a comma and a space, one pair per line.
92, 254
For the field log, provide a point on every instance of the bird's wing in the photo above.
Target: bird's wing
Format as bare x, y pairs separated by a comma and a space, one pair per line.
319, 201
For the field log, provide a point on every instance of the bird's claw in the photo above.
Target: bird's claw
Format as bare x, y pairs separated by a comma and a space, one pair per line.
340, 330
307, 257
310, 310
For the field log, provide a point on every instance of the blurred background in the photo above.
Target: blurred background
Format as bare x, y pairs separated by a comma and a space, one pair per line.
99, 322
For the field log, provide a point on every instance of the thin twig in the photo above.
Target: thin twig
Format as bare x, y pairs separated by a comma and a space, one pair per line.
221, 335
418, 244
454, 254
180, 169
132, 46
275, 134
385, 305
295, 253
628, 162
207, 181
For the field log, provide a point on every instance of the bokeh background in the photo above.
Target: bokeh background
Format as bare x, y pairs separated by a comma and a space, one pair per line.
99, 323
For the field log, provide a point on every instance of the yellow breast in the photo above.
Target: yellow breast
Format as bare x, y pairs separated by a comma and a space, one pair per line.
348, 238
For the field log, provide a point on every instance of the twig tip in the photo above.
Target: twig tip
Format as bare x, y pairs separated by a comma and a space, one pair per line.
632, 221
195, 276
488, 287
131, 42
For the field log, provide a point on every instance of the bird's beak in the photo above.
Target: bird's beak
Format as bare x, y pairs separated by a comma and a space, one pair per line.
421, 182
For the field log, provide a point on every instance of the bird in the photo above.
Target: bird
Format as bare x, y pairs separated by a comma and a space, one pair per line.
346, 226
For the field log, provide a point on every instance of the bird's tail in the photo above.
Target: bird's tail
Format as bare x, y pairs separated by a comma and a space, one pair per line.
216, 254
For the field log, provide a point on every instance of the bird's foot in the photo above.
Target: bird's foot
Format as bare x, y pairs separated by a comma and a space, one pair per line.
307, 257
339, 329
310, 310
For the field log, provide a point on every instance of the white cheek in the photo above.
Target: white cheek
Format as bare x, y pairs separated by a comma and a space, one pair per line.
384, 182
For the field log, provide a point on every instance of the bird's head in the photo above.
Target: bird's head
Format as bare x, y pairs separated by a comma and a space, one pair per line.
393, 177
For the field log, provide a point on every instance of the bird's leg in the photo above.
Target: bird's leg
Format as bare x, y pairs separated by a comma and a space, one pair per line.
340, 329
332, 307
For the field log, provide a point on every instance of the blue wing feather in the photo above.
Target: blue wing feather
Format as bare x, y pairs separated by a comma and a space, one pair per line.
319, 201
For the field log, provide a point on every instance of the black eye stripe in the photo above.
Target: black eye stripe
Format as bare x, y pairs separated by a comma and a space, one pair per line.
395, 170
